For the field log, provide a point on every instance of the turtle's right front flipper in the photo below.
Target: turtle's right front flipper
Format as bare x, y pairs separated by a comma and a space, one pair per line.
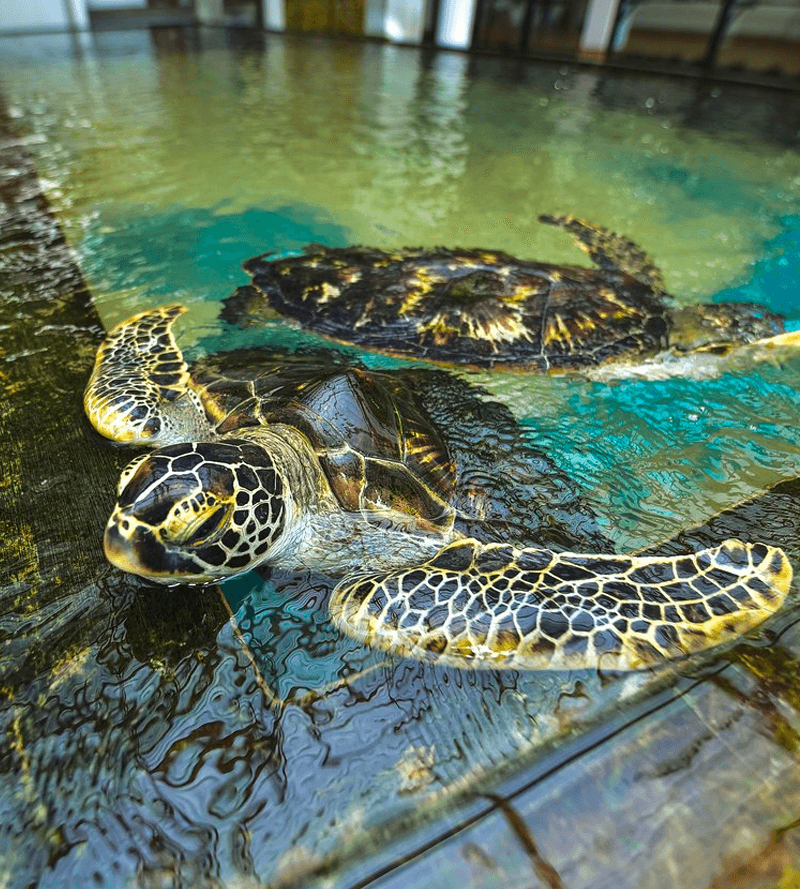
493, 606
140, 391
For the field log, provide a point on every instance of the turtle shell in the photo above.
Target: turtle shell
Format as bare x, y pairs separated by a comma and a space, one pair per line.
379, 450
419, 444
473, 307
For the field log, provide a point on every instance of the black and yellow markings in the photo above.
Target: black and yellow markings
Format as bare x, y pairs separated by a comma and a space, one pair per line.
492, 605
137, 366
215, 506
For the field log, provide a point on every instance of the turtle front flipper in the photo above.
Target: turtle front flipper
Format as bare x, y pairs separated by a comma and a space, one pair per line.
140, 391
609, 250
493, 606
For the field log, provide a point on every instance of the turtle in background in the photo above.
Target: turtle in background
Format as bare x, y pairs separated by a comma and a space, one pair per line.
385, 481
484, 308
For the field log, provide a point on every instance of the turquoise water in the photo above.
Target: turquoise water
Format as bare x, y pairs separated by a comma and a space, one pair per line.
167, 169
655, 454
775, 273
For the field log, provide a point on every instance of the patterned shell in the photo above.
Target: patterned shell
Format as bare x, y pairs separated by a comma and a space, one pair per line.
421, 442
376, 446
471, 307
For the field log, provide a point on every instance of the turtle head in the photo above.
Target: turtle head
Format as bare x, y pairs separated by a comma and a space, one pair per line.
197, 512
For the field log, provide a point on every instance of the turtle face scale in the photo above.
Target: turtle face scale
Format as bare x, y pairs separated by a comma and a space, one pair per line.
196, 512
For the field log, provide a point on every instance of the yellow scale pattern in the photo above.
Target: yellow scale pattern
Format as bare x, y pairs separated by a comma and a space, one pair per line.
494, 606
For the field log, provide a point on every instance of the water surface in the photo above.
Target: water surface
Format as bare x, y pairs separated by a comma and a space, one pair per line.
247, 752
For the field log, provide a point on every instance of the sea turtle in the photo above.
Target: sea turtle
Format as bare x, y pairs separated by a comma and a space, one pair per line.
346, 472
486, 308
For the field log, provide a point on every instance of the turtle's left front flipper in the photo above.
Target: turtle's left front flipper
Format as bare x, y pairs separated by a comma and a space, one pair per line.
493, 606
141, 391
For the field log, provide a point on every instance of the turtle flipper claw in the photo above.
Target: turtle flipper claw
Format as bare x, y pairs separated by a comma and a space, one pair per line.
494, 606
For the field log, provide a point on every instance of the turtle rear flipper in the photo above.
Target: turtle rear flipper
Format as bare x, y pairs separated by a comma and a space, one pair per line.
493, 606
787, 338
609, 250
140, 391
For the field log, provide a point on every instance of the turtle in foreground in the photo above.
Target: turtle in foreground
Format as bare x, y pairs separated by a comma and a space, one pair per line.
486, 308
346, 472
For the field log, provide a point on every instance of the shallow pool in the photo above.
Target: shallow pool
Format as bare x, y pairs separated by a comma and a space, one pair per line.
269, 749
168, 168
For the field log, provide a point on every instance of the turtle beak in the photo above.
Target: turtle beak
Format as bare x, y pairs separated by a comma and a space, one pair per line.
133, 547
127, 544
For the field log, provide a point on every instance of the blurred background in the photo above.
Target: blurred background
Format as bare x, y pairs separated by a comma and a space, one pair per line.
738, 39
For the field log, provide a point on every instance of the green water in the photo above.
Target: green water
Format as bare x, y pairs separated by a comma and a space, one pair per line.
166, 169
382, 145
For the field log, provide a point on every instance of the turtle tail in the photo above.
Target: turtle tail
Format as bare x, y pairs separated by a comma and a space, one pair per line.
609, 250
494, 606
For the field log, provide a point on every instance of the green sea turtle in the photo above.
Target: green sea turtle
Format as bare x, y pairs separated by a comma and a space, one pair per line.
486, 308
347, 472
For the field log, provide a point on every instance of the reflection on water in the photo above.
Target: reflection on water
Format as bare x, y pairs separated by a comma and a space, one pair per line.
401, 147
149, 740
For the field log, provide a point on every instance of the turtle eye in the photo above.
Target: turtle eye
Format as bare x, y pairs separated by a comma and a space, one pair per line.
128, 473
196, 522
